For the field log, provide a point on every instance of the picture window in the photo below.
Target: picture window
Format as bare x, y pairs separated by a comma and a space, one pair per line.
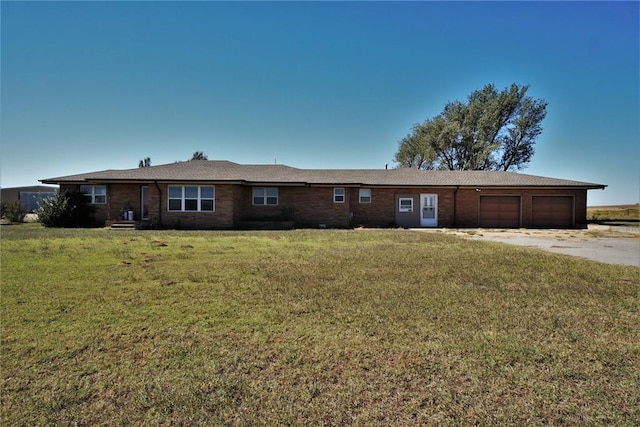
191, 198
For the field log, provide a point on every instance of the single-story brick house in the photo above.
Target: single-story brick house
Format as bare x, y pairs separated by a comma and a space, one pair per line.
206, 194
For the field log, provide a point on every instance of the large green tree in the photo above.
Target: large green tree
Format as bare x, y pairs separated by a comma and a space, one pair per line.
145, 163
493, 130
199, 155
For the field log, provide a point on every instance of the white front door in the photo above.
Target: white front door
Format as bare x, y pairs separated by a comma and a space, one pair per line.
428, 210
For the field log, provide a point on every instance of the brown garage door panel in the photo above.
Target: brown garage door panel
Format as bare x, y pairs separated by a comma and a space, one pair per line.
552, 211
500, 211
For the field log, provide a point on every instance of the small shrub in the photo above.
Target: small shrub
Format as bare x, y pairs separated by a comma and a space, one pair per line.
14, 211
66, 209
153, 224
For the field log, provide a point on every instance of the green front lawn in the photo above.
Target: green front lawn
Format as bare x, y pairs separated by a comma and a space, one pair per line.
315, 327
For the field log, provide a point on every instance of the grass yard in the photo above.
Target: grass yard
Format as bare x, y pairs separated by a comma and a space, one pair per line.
628, 215
315, 327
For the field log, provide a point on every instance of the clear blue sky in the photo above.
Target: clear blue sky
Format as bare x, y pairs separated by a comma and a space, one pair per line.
89, 86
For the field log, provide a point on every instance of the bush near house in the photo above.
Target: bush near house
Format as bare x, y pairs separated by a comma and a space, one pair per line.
13, 211
66, 209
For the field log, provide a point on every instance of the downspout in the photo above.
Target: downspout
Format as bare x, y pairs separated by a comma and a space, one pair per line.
108, 202
455, 207
159, 202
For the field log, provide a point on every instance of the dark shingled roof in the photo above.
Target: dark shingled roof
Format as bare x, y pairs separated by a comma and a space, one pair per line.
225, 171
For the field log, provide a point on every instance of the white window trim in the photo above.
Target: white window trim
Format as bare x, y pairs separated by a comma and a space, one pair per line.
336, 195
367, 196
265, 197
404, 209
183, 198
91, 195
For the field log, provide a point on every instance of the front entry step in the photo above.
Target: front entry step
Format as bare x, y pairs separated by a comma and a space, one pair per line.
122, 225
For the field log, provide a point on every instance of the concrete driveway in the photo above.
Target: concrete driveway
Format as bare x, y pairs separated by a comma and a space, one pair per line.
604, 244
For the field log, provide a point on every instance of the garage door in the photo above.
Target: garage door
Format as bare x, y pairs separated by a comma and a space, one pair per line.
500, 211
552, 212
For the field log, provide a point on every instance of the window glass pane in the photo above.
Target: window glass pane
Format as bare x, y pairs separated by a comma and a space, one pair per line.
206, 205
101, 190
406, 205
191, 192
272, 192
206, 192
175, 205
86, 189
191, 204
175, 192
101, 199
258, 192
272, 200
338, 191
258, 200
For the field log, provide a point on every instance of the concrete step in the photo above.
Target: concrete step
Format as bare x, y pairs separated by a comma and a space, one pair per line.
123, 225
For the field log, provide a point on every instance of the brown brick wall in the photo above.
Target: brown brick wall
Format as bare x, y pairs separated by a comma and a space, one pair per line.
467, 207
247, 211
312, 206
308, 206
221, 218
580, 206
315, 206
121, 195
379, 213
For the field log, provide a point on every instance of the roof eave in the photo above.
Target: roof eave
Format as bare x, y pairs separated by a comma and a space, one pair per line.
317, 184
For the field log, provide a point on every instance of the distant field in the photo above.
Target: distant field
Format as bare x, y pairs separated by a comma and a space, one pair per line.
310, 327
619, 214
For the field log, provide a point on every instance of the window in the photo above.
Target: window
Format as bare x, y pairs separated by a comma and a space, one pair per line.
405, 205
96, 194
265, 196
191, 198
365, 195
338, 195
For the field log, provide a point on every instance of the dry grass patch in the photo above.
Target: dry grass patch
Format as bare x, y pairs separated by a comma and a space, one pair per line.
315, 327
615, 215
